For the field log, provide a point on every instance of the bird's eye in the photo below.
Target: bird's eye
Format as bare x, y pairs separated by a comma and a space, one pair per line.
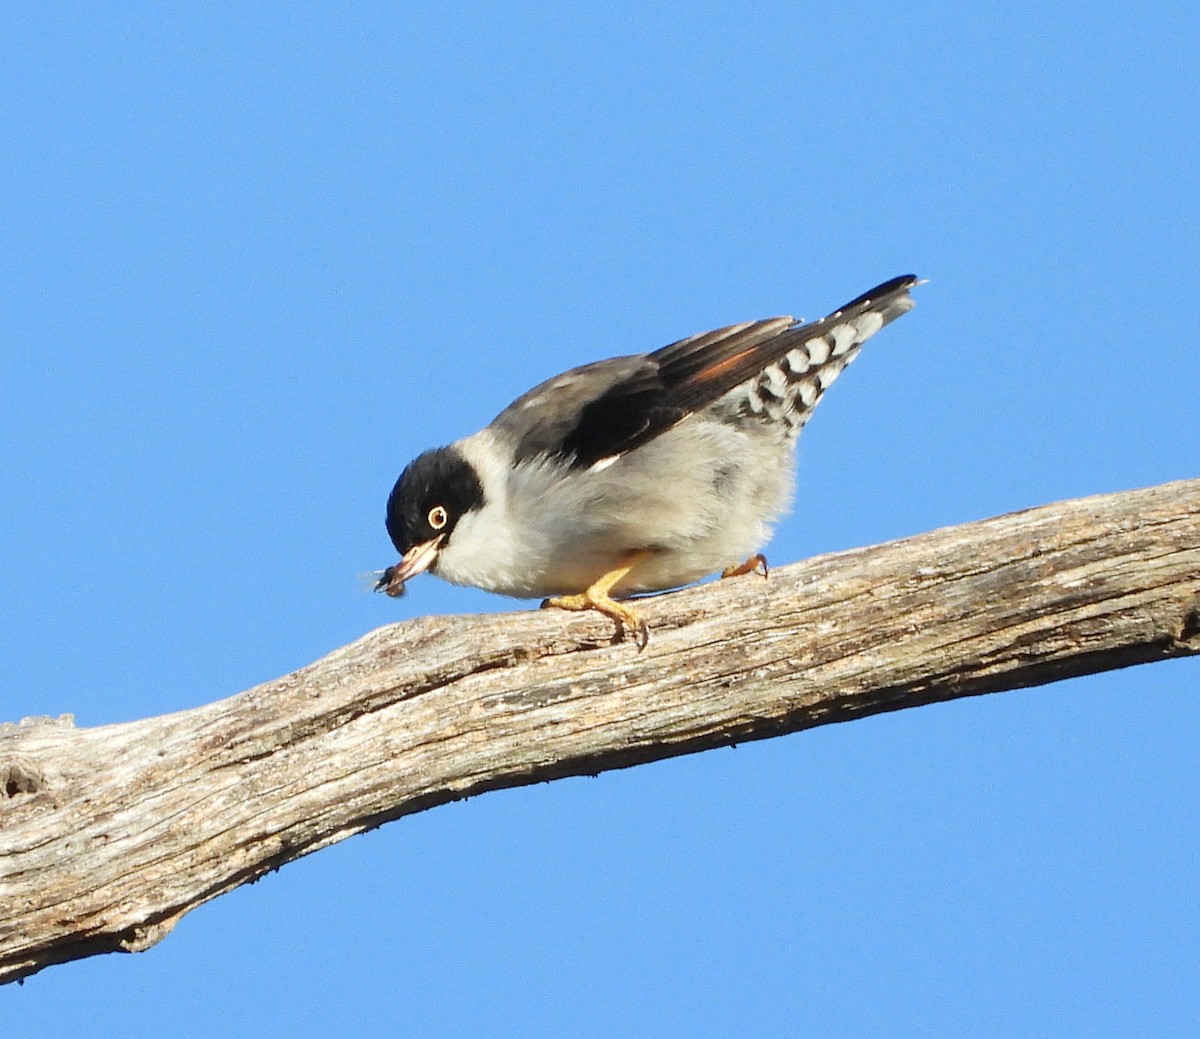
438, 517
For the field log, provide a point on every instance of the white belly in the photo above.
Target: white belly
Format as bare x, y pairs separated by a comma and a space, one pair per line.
556, 534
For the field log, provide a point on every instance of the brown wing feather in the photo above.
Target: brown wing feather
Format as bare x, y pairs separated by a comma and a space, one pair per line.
696, 372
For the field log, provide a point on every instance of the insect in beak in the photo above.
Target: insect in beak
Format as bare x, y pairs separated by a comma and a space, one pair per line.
415, 561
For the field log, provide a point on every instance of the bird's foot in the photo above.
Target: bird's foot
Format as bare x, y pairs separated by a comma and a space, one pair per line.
628, 619
755, 564
597, 598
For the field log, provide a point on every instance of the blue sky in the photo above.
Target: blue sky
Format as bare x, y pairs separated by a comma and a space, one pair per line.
255, 259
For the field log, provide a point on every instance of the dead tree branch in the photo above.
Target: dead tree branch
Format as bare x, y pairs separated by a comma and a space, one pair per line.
109, 835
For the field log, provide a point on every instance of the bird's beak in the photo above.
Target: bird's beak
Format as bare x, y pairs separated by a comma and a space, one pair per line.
415, 561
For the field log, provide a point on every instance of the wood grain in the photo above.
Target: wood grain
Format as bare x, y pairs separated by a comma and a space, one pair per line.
109, 835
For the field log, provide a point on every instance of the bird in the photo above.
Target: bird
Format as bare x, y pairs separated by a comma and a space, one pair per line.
631, 475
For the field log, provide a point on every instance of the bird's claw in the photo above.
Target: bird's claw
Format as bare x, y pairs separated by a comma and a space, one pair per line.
628, 620
755, 564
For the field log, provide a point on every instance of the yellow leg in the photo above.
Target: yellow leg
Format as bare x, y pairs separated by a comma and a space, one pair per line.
597, 598
755, 564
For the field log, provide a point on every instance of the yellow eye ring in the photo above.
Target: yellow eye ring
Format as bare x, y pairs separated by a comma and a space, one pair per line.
438, 517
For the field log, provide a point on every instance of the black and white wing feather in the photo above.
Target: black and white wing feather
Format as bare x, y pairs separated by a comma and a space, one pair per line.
775, 369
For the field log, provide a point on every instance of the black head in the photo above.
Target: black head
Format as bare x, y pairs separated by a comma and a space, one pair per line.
431, 496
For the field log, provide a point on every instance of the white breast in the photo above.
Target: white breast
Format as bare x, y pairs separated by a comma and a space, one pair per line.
700, 497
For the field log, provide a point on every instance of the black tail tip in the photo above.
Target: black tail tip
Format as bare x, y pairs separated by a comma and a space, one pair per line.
900, 283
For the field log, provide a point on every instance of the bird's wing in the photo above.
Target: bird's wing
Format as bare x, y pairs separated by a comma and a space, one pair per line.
559, 417
604, 409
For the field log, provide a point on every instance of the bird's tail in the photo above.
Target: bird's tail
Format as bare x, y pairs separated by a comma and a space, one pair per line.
805, 359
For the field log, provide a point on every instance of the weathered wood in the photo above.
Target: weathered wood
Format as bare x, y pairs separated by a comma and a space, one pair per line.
108, 835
